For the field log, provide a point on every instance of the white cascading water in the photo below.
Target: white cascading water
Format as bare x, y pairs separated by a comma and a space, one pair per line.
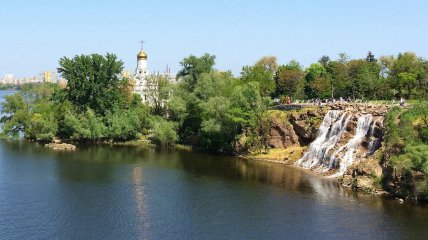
350, 148
332, 128
325, 154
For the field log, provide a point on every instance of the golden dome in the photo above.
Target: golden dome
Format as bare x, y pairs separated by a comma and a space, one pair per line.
142, 54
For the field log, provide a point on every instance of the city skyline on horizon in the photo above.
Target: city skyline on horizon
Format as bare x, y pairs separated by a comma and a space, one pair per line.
238, 33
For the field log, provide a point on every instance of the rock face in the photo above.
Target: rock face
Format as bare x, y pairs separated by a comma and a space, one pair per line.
364, 175
282, 134
306, 123
301, 127
61, 146
296, 128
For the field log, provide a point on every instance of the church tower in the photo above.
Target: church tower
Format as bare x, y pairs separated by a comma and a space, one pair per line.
140, 76
141, 64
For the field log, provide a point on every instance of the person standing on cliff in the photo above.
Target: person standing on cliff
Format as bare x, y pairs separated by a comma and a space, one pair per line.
402, 102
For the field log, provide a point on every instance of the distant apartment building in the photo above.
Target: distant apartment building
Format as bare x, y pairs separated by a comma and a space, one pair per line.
46, 76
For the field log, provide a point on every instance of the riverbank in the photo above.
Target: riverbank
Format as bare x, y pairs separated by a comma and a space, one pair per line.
289, 156
148, 144
284, 157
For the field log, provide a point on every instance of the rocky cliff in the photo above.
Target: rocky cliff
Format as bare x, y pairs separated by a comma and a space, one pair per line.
293, 128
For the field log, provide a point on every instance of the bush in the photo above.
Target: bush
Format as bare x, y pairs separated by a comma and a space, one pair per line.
407, 150
42, 127
15, 114
126, 124
164, 133
86, 126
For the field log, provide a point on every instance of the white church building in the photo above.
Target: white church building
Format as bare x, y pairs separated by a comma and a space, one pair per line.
145, 83
141, 78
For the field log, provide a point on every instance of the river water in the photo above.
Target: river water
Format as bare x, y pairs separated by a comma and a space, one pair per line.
103, 192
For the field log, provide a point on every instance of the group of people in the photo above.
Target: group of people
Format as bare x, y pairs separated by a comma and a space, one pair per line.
318, 101
402, 102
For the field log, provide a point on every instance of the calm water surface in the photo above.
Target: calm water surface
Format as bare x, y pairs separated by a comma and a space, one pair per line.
102, 192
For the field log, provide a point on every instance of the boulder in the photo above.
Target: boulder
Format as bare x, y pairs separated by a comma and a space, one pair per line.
61, 146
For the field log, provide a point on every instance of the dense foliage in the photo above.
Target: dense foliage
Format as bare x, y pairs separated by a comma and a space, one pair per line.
407, 149
388, 77
214, 114
207, 108
97, 105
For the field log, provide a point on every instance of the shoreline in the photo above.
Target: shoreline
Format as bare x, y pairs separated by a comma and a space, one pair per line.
381, 193
279, 162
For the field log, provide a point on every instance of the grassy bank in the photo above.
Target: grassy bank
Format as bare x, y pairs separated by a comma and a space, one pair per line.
288, 155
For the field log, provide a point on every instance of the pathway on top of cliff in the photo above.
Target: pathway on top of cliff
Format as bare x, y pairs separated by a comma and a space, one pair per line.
377, 109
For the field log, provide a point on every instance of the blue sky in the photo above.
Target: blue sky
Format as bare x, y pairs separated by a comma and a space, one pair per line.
35, 34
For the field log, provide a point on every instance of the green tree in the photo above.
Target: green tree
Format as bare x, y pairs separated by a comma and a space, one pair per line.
213, 84
43, 125
324, 60
405, 71
370, 57
260, 75
343, 58
269, 63
313, 72
15, 114
85, 126
218, 131
247, 106
30, 112
127, 124
164, 133
193, 67
363, 77
337, 78
93, 81
322, 86
289, 78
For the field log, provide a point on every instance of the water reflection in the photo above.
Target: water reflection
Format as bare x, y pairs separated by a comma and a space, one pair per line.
100, 192
140, 200
99, 163
252, 172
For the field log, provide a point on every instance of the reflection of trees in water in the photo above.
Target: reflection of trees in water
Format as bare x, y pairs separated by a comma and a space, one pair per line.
254, 172
96, 163
91, 163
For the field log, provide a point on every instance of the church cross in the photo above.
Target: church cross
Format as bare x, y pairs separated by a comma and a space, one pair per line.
142, 44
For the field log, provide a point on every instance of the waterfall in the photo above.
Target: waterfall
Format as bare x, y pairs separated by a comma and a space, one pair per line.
352, 146
331, 130
330, 150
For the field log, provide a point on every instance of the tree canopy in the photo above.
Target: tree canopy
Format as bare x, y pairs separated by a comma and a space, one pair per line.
94, 81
